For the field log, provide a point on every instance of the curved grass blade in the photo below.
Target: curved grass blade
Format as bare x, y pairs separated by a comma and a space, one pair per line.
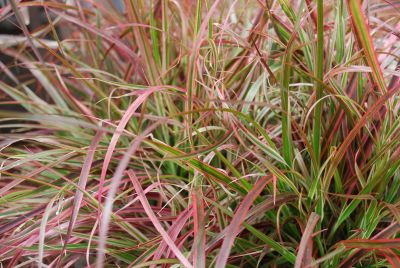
240, 215
199, 252
83, 178
306, 241
155, 221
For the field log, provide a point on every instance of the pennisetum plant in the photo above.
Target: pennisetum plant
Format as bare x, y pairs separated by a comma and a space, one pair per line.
201, 133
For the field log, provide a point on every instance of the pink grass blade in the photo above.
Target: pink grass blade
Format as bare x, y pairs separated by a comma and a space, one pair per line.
174, 231
155, 221
83, 178
240, 215
306, 240
274, 188
86, 111
191, 70
42, 233
372, 243
116, 179
118, 132
199, 244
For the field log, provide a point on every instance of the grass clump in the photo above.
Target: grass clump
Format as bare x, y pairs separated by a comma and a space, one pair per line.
201, 134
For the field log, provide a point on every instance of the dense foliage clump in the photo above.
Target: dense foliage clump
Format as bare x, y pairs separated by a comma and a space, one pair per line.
168, 133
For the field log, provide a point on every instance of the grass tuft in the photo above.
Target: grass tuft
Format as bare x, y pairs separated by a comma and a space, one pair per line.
200, 133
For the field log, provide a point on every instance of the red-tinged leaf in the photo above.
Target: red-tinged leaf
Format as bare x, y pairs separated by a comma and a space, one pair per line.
238, 218
307, 260
365, 41
126, 50
254, 214
361, 28
21, 219
358, 253
85, 110
313, 12
115, 183
191, 69
372, 243
337, 120
274, 187
367, 139
42, 232
25, 30
354, 132
204, 168
395, 211
118, 132
392, 257
155, 221
306, 241
83, 178
143, 44
395, 81
16, 256
173, 232
199, 244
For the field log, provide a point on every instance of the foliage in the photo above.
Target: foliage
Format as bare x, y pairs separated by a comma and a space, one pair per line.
201, 134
